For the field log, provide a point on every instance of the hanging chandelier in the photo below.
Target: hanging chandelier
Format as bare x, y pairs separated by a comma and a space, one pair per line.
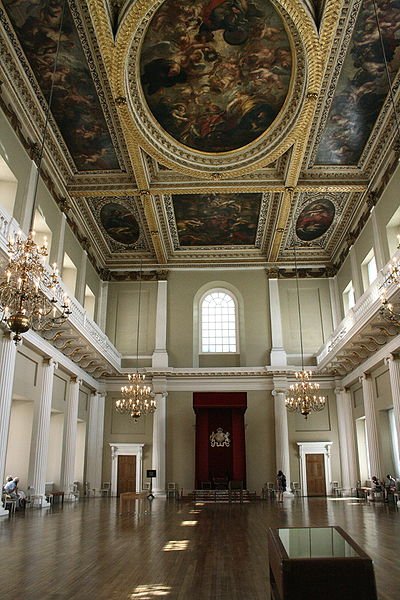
137, 398
303, 395
387, 310
30, 297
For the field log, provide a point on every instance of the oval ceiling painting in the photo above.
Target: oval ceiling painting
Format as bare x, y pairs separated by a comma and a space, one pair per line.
120, 223
315, 219
215, 73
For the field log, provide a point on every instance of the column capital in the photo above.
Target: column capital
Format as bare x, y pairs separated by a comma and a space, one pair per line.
279, 390
364, 377
280, 383
5, 334
50, 362
391, 358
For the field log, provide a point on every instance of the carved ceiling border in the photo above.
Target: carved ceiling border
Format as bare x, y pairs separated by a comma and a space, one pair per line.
174, 236
170, 152
303, 199
345, 27
274, 200
111, 252
130, 203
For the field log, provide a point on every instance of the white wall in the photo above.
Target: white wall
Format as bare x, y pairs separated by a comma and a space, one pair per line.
19, 441
53, 470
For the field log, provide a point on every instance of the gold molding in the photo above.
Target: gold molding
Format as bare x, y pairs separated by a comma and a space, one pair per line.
135, 18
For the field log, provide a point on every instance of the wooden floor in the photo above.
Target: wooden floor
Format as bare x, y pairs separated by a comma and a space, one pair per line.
173, 550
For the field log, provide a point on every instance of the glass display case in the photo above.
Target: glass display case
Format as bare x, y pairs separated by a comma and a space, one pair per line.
310, 563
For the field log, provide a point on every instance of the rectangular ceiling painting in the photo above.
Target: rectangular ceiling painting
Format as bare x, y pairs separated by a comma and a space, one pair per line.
217, 219
363, 84
75, 105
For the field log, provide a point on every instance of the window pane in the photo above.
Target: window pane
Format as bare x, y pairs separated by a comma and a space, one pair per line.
218, 323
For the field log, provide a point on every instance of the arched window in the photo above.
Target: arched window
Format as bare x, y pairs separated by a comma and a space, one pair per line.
218, 322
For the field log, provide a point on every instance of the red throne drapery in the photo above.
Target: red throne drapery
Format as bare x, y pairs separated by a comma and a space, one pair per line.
225, 410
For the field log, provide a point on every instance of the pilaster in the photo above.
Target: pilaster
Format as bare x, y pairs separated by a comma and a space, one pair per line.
8, 354
160, 355
355, 274
101, 317
59, 251
335, 302
69, 436
159, 443
347, 446
378, 243
278, 357
94, 453
394, 373
281, 430
81, 281
41, 431
371, 426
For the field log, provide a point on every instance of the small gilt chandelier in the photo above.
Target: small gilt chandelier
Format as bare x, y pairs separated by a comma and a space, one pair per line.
387, 310
137, 398
303, 396
28, 288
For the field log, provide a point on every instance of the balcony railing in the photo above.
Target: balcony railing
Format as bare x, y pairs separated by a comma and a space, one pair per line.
366, 307
79, 320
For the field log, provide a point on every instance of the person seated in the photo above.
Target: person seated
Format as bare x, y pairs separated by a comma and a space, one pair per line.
377, 487
390, 487
9, 478
11, 487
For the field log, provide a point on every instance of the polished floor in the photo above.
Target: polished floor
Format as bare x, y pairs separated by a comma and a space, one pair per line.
172, 550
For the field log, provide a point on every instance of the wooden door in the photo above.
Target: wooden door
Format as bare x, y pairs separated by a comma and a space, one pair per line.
126, 474
315, 469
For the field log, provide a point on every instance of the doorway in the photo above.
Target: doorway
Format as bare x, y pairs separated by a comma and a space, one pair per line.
126, 481
131, 471
315, 467
315, 470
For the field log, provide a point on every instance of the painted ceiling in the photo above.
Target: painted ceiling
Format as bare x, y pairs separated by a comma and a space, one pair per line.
215, 132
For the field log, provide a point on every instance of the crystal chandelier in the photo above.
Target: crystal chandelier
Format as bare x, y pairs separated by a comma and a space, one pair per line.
137, 398
28, 288
387, 310
303, 396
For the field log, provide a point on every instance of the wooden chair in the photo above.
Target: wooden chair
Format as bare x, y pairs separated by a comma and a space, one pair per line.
270, 489
33, 499
296, 489
172, 490
336, 490
105, 489
9, 503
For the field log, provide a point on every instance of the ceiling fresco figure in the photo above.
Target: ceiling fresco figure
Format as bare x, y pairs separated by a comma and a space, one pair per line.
315, 219
362, 85
215, 74
75, 105
216, 219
